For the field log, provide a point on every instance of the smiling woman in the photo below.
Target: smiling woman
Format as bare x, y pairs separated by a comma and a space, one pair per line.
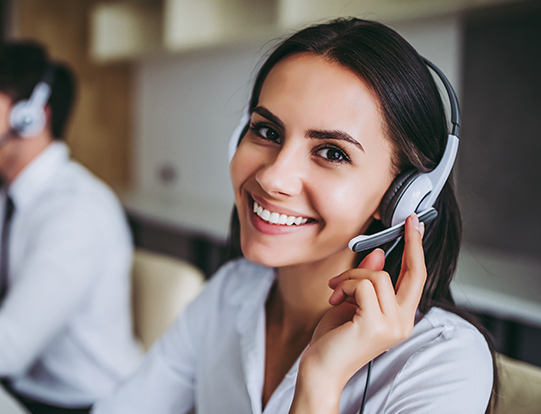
337, 111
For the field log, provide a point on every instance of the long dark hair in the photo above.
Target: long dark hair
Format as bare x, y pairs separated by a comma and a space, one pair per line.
416, 125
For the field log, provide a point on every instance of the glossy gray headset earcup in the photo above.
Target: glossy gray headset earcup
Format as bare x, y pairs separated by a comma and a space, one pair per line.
394, 194
27, 119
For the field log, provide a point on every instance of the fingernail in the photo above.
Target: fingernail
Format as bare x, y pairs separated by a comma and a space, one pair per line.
415, 222
422, 229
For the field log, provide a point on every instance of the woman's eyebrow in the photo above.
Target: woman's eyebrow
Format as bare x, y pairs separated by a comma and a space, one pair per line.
334, 134
265, 113
316, 134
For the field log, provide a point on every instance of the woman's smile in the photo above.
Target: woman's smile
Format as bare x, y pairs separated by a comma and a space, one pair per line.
273, 220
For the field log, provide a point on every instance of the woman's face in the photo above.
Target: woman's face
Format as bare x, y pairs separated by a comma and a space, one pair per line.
314, 164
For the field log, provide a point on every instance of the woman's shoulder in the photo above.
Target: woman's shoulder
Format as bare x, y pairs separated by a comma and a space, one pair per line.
445, 361
448, 325
447, 335
441, 335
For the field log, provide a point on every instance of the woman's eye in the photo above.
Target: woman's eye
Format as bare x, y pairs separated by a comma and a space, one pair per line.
333, 154
266, 132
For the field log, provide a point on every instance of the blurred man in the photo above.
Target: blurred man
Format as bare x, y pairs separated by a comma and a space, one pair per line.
65, 250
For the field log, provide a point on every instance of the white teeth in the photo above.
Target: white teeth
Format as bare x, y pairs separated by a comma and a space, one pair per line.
277, 218
274, 218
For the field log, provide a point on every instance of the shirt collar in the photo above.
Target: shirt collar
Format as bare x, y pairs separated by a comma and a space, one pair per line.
32, 180
249, 299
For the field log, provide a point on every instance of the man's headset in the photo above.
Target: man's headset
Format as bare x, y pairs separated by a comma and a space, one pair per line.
27, 117
410, 192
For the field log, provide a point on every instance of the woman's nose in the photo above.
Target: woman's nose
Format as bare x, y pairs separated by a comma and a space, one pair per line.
282, 175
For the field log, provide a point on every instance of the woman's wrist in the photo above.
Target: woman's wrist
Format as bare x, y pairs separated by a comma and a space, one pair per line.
315, 392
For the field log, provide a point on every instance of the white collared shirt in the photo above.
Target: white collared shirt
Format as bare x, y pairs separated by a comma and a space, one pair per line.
65, 324
213, 358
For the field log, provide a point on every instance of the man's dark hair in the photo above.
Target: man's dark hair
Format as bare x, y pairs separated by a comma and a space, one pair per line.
22, 66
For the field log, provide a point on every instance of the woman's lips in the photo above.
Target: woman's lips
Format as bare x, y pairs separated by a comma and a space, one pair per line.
275, 222
280, 219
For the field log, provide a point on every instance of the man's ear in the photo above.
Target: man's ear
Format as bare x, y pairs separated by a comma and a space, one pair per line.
48, 120
48, 115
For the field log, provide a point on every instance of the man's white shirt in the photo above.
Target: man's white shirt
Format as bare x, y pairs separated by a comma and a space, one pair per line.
65, 324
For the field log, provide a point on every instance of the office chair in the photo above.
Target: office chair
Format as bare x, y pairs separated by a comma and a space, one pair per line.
520, 387
162, 287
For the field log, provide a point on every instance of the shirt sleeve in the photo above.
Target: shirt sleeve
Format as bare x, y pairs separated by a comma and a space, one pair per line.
166, 381
452, 374
61, 260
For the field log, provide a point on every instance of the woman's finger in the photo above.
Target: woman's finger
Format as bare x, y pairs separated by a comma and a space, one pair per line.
374, 261
365, 296
382, 285
411, 280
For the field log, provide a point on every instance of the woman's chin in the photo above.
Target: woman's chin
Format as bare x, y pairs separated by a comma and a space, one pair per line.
262, 258
268, 256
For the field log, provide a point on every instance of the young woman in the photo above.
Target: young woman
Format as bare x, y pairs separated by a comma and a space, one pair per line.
337, 112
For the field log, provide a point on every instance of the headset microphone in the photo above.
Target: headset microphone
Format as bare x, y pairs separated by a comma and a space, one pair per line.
367, 242
27, 117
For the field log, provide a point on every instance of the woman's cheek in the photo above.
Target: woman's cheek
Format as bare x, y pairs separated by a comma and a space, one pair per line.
238, 170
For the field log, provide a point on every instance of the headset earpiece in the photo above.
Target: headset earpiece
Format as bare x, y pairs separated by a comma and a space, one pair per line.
394, 194
28, 118
413, 191
238, 133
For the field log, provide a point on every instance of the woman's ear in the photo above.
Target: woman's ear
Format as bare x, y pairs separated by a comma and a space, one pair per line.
377, 215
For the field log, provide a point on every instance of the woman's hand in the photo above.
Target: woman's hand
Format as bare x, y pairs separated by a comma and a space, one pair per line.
368, 317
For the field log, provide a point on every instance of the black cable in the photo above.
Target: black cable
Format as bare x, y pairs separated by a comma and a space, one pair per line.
368, 371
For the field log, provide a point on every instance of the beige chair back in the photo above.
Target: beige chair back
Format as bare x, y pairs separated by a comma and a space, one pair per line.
520, 387
162, 287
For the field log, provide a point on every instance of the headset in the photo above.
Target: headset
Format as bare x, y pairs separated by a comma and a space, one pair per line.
27, 117
410, 192
413, 191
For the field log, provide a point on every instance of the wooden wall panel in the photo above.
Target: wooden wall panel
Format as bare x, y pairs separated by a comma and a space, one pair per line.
499, 169
99, 133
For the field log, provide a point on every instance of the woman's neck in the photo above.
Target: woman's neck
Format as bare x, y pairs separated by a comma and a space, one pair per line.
301, 295
294, 307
